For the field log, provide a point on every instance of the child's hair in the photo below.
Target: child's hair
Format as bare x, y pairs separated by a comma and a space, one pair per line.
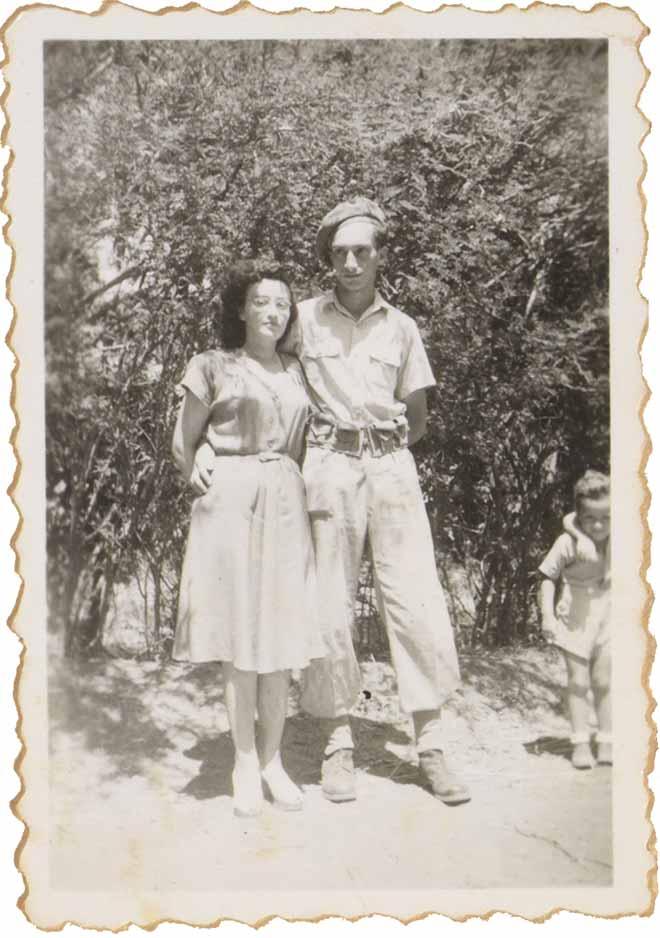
592, 484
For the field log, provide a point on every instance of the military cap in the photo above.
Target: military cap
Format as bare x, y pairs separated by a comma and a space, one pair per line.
356, 208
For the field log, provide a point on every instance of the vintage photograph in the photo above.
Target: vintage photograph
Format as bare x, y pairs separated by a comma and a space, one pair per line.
330, 558
327, 393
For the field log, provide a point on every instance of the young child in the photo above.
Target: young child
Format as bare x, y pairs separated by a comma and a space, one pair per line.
574, 597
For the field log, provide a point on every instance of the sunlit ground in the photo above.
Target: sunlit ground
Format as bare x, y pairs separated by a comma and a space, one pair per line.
141, 766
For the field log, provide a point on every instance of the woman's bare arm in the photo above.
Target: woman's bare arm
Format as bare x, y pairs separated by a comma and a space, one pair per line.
190, 425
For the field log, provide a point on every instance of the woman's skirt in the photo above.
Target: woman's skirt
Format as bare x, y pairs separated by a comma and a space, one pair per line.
247, 593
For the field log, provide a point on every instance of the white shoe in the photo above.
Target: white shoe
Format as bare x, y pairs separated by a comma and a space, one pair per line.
248, 793
285, 794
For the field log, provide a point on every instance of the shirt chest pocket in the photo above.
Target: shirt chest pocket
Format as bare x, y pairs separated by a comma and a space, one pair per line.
383, 368
320, 358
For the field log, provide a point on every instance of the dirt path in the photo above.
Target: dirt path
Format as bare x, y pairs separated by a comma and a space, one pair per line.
141, 789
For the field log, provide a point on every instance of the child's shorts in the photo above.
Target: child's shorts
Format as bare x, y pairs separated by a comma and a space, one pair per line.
583, 616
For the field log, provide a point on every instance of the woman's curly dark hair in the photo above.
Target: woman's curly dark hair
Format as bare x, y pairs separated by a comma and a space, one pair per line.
241, 276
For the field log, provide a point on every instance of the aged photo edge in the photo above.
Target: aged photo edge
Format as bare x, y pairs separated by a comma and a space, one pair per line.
651, 643
15, 801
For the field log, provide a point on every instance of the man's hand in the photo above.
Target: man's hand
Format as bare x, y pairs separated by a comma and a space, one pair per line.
202, 471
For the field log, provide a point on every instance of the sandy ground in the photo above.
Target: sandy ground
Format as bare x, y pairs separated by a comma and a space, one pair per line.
141, 791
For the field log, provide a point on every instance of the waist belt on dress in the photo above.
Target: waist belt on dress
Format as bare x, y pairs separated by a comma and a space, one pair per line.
371, 441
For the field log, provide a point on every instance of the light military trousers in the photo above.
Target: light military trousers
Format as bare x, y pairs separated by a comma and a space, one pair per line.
349, 497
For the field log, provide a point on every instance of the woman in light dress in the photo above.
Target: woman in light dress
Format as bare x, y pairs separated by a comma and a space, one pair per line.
247, 594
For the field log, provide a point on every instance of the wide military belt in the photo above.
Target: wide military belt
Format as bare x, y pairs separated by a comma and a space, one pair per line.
357, 442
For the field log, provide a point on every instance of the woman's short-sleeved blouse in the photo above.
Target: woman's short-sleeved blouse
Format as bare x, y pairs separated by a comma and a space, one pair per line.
250, 410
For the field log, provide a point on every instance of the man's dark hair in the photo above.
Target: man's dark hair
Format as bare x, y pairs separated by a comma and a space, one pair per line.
241, 276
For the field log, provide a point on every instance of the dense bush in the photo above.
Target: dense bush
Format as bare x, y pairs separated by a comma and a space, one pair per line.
165, 160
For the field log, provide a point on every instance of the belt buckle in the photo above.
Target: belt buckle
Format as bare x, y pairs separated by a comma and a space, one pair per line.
269, 456
380, 443
371, 441
320, 432
349, 441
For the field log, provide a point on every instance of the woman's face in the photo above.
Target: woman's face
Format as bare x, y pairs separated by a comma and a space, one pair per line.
266, 310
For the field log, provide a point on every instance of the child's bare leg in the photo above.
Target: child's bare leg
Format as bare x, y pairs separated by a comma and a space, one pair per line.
578, 709
272, 699
601, 673
240, 700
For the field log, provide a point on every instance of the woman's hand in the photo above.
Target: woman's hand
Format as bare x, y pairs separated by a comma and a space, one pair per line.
549, 630
201, 475
190, 425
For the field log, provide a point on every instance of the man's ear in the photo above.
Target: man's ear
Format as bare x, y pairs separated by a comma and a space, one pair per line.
383, 256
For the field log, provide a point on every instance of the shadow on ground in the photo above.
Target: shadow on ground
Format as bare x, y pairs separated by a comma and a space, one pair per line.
141, 750
137, 714
520, 680
552, 745
304, 744
216, 758
131, 712
302, 754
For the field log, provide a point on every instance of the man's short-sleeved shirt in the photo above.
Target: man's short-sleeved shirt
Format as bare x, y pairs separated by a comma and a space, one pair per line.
360, 371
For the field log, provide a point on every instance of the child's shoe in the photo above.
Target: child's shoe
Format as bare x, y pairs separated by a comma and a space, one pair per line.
582, 757
603, 751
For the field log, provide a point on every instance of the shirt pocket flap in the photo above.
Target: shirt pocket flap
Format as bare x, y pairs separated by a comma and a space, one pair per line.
387, 356
326, 348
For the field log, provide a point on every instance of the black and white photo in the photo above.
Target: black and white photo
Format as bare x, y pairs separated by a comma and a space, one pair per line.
334, 431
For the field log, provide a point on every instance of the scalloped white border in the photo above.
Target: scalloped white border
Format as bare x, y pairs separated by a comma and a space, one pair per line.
649, 11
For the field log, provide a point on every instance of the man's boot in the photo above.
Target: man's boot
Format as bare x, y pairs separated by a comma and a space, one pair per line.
338, 776
440, 779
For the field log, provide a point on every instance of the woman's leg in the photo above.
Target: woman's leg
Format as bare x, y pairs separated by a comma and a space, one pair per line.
578, 709
241, 700
601, 668
272, 699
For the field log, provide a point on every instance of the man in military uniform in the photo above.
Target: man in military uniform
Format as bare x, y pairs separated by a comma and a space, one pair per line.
368, 372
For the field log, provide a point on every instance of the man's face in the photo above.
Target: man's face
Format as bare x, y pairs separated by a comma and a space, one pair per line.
354, 255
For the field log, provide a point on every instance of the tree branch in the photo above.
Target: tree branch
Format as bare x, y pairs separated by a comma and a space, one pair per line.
131, 273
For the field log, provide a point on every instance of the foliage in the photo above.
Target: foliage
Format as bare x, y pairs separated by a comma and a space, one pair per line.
167, 159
